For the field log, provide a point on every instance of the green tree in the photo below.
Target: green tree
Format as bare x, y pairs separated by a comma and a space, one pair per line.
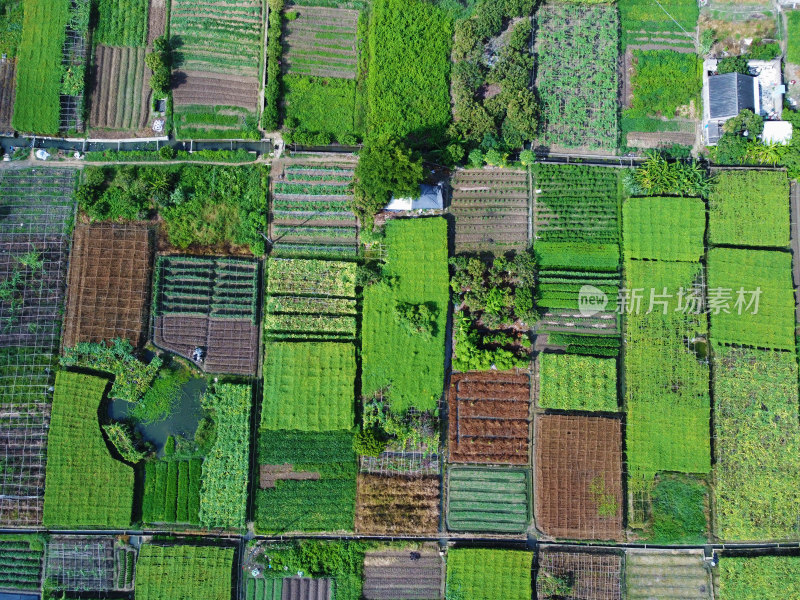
733, 64
385, 168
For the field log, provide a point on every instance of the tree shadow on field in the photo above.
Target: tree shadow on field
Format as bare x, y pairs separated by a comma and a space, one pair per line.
178, 56
179, 78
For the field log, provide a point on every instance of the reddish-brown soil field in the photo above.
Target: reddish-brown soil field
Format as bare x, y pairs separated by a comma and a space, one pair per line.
231, 344
108, 284
7, 69
489, 415
121, 96
396, 505
578, 477
390, 574
214, 89
592, 576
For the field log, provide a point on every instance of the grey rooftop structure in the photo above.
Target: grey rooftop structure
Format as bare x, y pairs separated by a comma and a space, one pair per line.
731, 93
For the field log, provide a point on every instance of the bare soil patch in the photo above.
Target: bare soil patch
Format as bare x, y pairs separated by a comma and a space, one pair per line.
156, 20
269, 474
578, 477
120, 99
214, 89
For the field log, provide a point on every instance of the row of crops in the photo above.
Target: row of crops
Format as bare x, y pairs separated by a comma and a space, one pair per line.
216, 287
311, 211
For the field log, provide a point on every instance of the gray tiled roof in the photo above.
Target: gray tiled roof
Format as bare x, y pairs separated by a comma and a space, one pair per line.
730, 93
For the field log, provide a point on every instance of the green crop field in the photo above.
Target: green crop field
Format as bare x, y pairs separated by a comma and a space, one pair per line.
642, 20
309, 387
751, 271
21, 561
408, 85
793, 37
172, 491
409, 364
749, 208
121, 22
186, 572
326, 105
85, 485
223, 494
666, 381
663, 81
326, 503
758, 577
663, 228
488, 500
37, 108
573, 382
310, 300
480, 574
757, 435
576, 74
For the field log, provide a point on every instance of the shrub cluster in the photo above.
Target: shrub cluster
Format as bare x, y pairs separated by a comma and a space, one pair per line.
272, 91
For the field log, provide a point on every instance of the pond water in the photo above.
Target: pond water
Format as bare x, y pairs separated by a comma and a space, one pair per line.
183, 421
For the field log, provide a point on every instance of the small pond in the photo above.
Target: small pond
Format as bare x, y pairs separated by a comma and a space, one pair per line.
183, 421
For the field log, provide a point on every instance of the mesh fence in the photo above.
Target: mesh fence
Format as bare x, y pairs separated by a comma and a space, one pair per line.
81, 564
36, 212
578, 576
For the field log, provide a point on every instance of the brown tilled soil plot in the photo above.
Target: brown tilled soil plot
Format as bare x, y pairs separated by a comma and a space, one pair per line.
156, 20
214, 89
407, 574
592, 576
121, 94
489, 416
578, 477
231, 345
7, 70
395, 505
108, 284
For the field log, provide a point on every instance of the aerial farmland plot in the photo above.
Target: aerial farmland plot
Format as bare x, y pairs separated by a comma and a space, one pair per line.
488, 499
310, 212
576, 216
397, 504
109, 284
322, 73
208, 303
489, 417
491, 208
35, 241
121, 97
7, 75
576, 56
578, 575
389, 573
218, 61
578, 477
